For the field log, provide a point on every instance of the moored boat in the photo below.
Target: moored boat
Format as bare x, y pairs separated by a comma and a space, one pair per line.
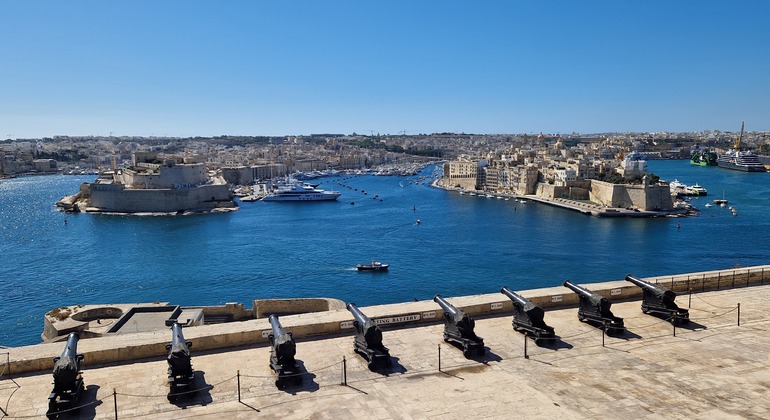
301, 192
740, 160
706, 157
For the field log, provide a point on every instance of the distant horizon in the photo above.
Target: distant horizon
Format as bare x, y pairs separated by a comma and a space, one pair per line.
381, 134
195, 68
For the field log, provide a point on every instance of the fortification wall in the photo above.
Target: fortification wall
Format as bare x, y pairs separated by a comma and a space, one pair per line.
200, 198
122, 348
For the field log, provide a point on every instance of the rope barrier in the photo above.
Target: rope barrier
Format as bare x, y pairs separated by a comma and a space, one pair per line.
56, 413
710, 304
290, 375
575, 335
207, 387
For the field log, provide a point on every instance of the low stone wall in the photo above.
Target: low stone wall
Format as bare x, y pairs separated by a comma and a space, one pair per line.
254, 332
265, 307
232, 310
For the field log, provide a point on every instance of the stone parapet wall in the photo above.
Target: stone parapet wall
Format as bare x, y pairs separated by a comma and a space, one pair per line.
265, 307
128, 347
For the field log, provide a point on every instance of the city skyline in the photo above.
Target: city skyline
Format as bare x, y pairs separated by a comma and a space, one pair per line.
184, 69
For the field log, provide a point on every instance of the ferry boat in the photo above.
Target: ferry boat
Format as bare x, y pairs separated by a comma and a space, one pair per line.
697, 190
301, 192
374, 266
676, 186
740, 160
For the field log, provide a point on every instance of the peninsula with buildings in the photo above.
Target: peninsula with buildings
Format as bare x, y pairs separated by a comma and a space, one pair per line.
601, 174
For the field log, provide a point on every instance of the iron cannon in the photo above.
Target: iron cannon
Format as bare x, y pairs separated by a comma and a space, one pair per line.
658, 300
458, 328
595, 307
368, 340
180, 371
282, 351
528, 317
67, 378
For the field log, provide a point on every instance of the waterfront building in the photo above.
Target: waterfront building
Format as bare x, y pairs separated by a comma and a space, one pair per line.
461, 174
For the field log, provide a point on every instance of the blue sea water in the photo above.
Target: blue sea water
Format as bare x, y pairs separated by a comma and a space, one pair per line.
463, 245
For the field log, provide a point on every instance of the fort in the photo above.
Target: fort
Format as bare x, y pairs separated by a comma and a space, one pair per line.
714, 366
171, 186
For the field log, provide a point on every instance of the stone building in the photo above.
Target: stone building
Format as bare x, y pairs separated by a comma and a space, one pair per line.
461, 174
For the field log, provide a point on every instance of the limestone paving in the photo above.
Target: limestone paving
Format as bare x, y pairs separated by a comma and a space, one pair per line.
711, 368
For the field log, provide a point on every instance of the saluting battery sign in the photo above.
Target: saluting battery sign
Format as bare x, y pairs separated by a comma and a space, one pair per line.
385, 321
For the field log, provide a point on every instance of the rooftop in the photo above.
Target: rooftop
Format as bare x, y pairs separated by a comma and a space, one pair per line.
710, 368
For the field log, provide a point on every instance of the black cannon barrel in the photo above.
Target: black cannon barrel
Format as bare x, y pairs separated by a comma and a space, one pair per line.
71, 349
577, 289
639, 282
276, 325
357, 314
67, 366
446, 306
513, 296
176, 334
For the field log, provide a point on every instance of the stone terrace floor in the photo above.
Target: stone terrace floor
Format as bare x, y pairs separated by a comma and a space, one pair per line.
712, 369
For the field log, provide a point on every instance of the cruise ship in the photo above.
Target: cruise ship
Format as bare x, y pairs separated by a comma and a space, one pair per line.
740, 160
301, 192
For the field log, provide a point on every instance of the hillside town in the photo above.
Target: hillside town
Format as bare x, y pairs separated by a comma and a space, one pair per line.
574, 167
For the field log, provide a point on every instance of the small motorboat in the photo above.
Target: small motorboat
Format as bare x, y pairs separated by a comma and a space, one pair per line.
374, 266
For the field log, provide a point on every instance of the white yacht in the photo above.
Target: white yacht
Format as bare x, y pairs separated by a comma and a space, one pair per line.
301, 192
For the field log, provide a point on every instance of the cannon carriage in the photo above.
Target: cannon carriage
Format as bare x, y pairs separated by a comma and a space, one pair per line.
658, 300
282, 352
368, 340
596, 308
67, 378
528, 317
180, 372
458, 329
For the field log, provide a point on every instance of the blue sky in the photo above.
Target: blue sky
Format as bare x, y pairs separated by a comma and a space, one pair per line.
185, 68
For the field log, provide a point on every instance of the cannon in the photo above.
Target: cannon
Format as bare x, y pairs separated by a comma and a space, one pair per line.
595, 307
368, 340
458, 329
67, 378
282, 351
528, 317
180, 371
660, 301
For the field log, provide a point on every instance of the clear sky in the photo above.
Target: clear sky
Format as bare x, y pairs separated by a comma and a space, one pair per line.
185, 68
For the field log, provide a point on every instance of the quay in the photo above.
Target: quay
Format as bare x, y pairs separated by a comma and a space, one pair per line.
588, 208
714, 367
603, 211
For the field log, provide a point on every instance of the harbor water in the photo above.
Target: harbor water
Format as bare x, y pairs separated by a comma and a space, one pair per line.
436, 242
